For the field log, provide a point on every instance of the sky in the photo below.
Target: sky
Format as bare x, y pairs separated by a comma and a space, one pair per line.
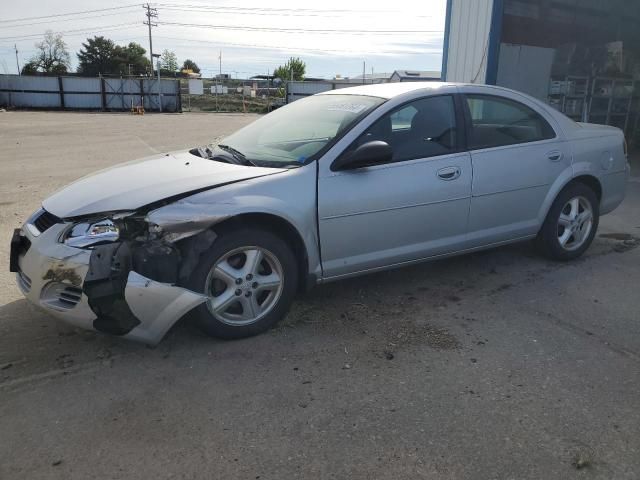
333, 37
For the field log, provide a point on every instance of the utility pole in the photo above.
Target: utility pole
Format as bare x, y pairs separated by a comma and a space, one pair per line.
157, 56
159, 87
150, 14
219, 78
268, 91
17, 63
364, 69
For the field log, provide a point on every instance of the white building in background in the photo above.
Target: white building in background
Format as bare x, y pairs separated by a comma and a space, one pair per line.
415, 76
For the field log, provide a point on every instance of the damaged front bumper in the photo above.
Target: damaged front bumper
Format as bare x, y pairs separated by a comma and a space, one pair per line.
98, 289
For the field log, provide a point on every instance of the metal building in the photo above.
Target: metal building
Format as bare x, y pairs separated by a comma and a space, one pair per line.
581, 56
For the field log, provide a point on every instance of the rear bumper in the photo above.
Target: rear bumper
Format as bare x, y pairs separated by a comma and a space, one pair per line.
614, 188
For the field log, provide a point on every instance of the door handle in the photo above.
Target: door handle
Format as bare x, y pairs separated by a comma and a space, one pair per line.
555, 155
449, 173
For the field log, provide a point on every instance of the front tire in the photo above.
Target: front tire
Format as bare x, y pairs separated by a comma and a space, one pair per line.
251, 278
571, 223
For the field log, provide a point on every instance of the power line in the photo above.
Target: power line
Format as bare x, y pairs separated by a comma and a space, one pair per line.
70, 13
260, 11
278, 47
74, 32
300, 30
223, 10
62, 20
268, 9
191, 41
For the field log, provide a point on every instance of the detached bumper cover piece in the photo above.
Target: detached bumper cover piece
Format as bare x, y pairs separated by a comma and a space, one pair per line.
157, 306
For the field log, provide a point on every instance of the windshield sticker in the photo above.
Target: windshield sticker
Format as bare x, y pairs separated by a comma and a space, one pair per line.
347, 107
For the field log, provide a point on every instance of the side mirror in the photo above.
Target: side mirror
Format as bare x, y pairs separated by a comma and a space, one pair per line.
368, 154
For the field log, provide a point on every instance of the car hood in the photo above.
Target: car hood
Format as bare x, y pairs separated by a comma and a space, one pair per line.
132, 185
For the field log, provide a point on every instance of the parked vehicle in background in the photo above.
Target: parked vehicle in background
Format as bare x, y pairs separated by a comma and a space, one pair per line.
342, 183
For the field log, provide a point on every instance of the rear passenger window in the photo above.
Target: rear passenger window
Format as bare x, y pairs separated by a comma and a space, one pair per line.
498, 121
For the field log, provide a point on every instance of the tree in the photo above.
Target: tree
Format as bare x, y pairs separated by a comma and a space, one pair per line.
190, 65
29, 68
168, 63
294, 67
97, 56
51, 56
131, 59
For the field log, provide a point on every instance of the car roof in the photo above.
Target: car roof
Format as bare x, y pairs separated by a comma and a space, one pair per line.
388, 90
397, 89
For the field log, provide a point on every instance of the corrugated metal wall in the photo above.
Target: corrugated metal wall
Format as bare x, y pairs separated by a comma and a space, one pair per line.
39, 92
88, 93
468, 49
81, 99
122, 94
298, 90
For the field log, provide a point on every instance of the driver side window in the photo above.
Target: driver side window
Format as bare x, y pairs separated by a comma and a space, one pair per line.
419, 129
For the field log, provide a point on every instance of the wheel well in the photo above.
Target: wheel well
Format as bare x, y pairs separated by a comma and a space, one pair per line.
590, 181
278, 226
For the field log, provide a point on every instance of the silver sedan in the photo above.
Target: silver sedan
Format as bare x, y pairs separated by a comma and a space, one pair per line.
339, 184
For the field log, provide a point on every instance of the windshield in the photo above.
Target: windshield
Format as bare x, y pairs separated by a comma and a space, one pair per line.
293, 134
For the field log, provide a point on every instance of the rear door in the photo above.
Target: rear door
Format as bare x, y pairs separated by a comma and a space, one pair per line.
411, 208
516, 156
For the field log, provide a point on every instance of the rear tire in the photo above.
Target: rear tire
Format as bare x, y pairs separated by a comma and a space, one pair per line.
571, 223
251, 277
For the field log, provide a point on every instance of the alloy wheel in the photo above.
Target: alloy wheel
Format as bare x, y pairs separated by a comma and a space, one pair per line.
575, 223
244, 285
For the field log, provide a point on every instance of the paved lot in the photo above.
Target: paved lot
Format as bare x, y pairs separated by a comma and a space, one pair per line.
495, 365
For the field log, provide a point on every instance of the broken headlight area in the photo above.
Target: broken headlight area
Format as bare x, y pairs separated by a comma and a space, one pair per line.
127, 244
89, 232
119, 244
158, 264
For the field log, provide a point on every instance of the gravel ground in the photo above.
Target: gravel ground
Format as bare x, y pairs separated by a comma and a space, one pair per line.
496, 365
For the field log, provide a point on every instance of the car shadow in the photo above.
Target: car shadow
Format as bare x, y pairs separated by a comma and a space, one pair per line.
32, 342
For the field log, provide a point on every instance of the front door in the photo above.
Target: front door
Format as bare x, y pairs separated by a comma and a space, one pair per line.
411, 208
